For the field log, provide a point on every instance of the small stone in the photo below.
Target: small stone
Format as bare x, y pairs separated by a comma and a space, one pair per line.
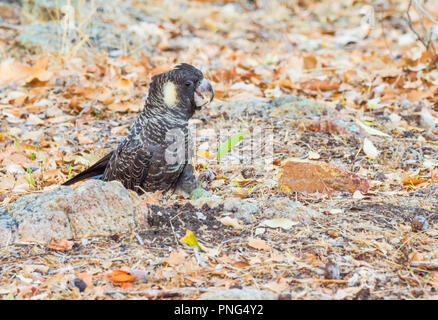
243, 209
199, 193
140, 275
80, 284
14, 169
419, 223
282, 207
115, 53
331, 271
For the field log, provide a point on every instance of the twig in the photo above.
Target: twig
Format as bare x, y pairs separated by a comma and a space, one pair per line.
198, 258
427, 14
10, 26
426, 40
425, 264
320, 280
140, 240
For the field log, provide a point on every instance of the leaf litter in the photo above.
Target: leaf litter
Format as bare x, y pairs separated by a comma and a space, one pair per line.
367, 103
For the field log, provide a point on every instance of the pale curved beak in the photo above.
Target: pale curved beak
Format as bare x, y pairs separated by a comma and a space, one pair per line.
204, 93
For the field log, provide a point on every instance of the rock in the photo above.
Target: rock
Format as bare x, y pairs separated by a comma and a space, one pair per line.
419, 223
331, 271
95, 208
14, 169
240, 294
213, 201
41, 217
282, 207
7, 228
243, 209
98, 208
199, 193
312, 176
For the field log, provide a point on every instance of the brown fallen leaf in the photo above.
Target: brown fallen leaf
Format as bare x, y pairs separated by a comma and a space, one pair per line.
277, 287
120, 276
321, 85
258, 244
60, 245
14, 71
83, 139
154, 197
413, 180
175, 258
241, 264
125, 107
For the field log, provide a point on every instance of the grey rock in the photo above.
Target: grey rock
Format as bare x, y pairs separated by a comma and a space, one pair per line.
99, 208
95, 208
240, 294
7, 228
243, 209
41, 217
282, 207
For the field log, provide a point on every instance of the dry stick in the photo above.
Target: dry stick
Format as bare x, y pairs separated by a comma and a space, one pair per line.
427, 14
319, 280
426, 40
425, 264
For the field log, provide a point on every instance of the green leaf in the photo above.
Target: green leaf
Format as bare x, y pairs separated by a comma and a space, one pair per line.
30, 180
231, 142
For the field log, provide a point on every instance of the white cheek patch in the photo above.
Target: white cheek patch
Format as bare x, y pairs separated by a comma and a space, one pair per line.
170, 96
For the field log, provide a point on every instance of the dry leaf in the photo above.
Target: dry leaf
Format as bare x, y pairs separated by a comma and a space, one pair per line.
232, 222
258, 244
60, 245
279, 223
369, 149
176, 258
154, 197
120, 276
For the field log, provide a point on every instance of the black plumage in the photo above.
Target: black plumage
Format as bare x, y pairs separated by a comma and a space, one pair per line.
156, 155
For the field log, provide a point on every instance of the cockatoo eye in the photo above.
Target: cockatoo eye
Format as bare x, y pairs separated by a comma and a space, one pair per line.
189, 83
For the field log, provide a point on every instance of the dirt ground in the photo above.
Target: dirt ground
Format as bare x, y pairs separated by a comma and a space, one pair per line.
318, 78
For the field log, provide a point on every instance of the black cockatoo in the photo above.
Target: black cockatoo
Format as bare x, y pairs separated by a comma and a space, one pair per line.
156, 155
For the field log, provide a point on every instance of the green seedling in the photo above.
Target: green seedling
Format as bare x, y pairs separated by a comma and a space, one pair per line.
32, 154
17, 145
30, 179
229, 143
69, 171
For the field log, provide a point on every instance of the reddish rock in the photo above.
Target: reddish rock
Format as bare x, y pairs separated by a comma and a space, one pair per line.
312, 176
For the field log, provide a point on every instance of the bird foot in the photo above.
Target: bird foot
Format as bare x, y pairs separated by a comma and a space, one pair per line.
206, 175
